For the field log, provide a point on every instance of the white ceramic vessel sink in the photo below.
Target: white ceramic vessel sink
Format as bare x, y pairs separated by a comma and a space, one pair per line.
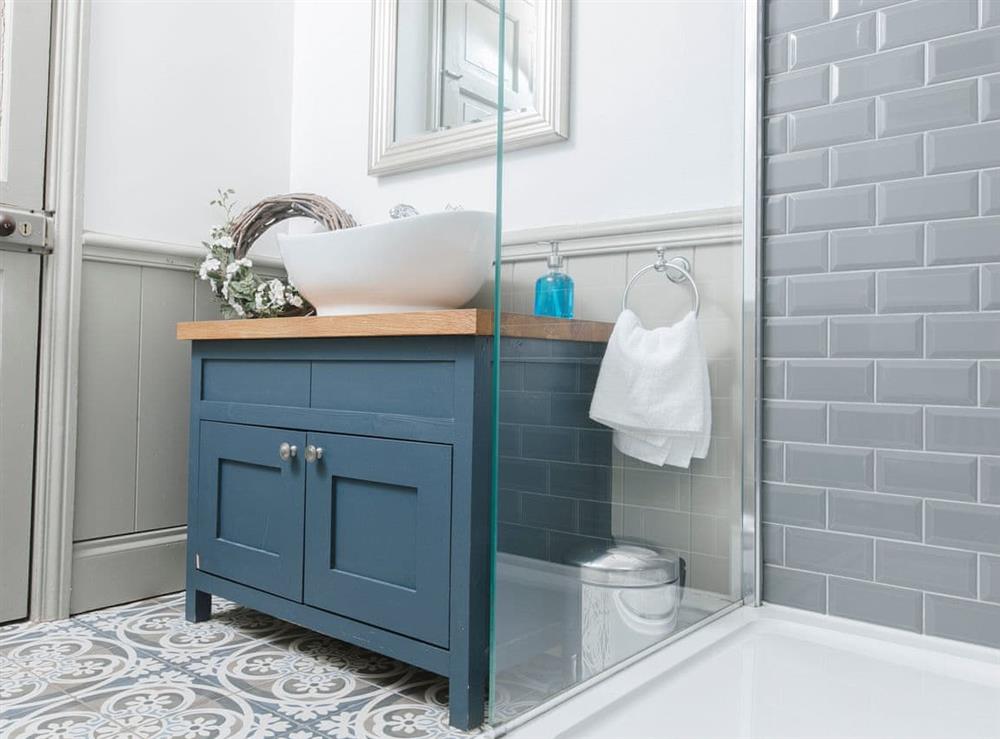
427, 262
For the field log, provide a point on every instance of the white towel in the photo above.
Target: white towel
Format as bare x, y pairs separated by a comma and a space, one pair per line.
653, 391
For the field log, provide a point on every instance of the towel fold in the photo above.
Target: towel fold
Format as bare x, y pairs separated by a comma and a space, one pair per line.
653, 391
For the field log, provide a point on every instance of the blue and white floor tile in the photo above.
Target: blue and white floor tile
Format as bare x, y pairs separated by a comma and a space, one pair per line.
142, 672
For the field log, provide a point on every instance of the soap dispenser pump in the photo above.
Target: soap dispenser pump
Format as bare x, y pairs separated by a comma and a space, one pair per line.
554, 290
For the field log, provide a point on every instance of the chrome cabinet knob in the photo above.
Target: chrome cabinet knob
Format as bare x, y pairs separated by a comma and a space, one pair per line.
287, 451
314, 453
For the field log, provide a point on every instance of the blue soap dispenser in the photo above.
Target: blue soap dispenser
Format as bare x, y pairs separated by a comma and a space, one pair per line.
554, 290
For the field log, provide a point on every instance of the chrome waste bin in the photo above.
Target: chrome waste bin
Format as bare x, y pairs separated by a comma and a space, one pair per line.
629, 599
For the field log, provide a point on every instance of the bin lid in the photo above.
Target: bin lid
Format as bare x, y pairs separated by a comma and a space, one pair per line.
625, 565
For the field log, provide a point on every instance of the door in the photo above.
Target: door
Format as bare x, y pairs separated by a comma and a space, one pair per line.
469, 76
19, 286
378, 531
251, 499
24, 90
24, 64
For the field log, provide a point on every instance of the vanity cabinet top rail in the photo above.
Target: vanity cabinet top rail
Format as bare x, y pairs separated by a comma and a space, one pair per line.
462, 322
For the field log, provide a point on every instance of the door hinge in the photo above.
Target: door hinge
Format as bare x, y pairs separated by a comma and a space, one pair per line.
197, 561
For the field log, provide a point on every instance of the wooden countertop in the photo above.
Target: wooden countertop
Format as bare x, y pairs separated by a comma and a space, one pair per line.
462, 322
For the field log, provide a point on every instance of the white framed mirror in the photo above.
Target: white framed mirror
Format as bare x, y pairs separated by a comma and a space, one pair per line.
434, 79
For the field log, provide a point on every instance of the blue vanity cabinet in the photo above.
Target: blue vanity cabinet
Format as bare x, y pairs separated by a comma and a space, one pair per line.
378, 527
382, 539
251, 505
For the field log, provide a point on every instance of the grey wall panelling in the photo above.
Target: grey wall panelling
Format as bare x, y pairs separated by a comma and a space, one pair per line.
882, 465
134, 386
167, 297
108, 401
133, 425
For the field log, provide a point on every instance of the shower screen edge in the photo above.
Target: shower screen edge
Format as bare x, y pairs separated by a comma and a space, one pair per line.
752, 136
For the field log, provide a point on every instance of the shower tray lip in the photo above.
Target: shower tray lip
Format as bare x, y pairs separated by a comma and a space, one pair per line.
571, 714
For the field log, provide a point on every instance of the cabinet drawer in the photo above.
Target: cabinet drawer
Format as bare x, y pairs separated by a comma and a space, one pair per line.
256, 381
419, 388
378, 529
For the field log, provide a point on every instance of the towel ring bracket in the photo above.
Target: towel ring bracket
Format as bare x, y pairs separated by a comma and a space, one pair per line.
676, 269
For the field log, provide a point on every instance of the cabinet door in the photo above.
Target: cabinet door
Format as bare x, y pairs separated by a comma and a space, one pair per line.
378, 528
250, 506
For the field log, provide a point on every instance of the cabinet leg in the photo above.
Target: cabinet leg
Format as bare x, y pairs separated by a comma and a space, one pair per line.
197, 606
466, 702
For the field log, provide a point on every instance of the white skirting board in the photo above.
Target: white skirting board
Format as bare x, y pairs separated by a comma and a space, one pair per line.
125, 568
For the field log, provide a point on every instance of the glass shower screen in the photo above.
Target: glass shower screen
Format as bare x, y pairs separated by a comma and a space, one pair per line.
615, 535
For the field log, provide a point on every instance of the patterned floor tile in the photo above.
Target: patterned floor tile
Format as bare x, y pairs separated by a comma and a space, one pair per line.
163, 709
142, 671
25, 631
391, 716
294, 682
62, 720
7, 630
162, 630
372, 667
64, 664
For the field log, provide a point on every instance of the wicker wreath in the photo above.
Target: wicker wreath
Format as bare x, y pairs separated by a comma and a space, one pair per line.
255, 220
229, 270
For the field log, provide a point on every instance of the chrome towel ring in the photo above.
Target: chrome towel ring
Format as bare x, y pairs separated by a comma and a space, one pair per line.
677, 270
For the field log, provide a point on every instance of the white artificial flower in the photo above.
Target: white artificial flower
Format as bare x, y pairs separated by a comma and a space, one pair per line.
237, 308
211, 264
225, 289
226, 242
295, 300
234, 267
277, 292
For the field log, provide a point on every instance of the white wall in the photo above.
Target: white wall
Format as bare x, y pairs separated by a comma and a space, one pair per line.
185, 97
272, 96
656, 119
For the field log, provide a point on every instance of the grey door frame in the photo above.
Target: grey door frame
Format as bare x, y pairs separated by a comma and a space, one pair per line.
52, 539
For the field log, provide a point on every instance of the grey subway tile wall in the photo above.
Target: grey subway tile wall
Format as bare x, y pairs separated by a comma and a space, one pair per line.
924, 20
831, 124
776, 135
871, 161
563, 488
991, 13
989, 192
963, 56
865, 601
990, 97
928, 108
552, 495
881, 340
989, 574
